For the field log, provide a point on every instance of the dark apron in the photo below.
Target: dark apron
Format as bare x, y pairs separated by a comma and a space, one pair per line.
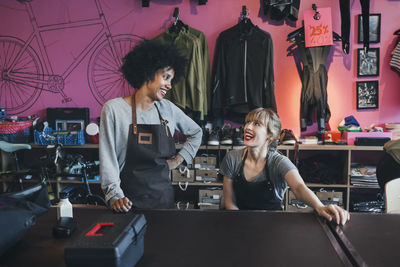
255, 195
144, 178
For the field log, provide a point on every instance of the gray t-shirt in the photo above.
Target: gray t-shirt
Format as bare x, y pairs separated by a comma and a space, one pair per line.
116, 117
278, 166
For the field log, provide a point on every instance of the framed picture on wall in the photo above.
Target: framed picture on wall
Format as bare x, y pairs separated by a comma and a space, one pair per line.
374, 28
367, 95
368, 63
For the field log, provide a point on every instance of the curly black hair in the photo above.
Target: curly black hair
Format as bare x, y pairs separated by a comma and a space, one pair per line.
142, 63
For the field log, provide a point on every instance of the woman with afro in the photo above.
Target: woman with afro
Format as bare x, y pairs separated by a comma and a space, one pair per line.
137, 149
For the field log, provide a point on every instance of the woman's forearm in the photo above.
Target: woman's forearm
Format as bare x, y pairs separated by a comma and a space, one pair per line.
229, 195
305, 195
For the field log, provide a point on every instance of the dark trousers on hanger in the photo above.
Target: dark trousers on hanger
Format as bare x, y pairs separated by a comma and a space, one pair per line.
345, 22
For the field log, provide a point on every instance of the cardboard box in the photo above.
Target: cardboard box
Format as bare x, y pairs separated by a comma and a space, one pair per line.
207, 176
350, 137
295, 205
211, 198
331, 198
205, 162
184, 205
179, 175
325, 197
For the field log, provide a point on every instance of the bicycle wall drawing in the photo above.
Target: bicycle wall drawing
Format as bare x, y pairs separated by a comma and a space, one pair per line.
27, 71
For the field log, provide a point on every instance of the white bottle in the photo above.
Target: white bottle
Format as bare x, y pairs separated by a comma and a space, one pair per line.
64, 207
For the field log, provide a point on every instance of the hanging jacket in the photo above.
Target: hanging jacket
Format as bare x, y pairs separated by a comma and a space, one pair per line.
193, 90
205, 61
280, 9
243, 77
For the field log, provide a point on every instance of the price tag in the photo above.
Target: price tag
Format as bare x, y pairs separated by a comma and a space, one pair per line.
318, 27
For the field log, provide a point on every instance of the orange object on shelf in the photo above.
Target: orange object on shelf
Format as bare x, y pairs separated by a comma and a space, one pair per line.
332, 136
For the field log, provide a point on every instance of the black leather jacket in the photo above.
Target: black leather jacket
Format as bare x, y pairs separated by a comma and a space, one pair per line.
243, 77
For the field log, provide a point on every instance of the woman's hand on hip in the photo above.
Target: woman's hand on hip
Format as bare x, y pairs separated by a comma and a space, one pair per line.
174, 161
122, 205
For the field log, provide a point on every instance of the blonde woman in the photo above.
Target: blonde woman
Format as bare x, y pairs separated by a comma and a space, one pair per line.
256, 177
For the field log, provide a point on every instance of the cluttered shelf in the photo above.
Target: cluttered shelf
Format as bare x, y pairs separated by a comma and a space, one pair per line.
301, 147
313, 185
201, 183
363, 187
85, 146
228, 147
345, 184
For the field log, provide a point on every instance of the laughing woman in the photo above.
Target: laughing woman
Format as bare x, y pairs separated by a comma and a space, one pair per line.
136, 145
256, 177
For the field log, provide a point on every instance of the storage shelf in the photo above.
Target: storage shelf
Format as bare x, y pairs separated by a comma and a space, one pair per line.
199, 183
229, 147
327, 185
363, 187
85, 146
301, 147
346, 151
7, 179
64, 181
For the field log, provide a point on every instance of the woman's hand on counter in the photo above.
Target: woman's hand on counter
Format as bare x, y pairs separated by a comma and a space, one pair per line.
122, 205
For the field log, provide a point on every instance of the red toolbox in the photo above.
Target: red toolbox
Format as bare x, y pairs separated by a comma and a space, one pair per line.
112, 240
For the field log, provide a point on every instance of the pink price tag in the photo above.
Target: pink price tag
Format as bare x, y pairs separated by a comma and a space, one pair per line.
318, 32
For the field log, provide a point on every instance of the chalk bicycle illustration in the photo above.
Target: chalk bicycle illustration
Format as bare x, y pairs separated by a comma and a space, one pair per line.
26, 72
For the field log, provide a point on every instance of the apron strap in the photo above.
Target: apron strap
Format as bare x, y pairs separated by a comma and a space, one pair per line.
164, 122
134, 119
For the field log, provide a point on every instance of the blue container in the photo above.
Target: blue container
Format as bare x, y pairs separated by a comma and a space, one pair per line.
51, 137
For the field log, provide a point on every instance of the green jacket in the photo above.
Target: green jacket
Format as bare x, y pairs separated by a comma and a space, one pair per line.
193, 91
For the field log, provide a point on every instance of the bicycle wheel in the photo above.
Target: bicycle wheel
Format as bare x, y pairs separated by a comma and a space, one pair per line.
104, 77
19, 95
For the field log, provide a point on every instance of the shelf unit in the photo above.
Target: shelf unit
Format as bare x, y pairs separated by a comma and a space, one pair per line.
347, 151
57, 182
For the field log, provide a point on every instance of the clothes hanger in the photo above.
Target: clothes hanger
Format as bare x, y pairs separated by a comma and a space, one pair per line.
245, 21
292, 35
336, 37
178, 24
300, 33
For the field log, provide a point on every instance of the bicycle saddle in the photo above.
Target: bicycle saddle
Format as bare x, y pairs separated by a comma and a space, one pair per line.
9, 147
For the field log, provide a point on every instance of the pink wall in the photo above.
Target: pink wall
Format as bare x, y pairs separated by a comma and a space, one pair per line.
128, 17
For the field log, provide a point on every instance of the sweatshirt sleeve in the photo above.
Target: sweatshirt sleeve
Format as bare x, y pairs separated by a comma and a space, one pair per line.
191, 130
109, 167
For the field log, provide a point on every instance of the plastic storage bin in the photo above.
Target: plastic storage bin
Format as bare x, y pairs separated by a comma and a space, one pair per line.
51, 137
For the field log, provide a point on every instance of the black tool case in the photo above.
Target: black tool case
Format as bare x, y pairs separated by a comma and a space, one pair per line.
112, 240
54, 114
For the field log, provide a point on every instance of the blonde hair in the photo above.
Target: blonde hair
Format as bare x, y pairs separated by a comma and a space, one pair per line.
270, 120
